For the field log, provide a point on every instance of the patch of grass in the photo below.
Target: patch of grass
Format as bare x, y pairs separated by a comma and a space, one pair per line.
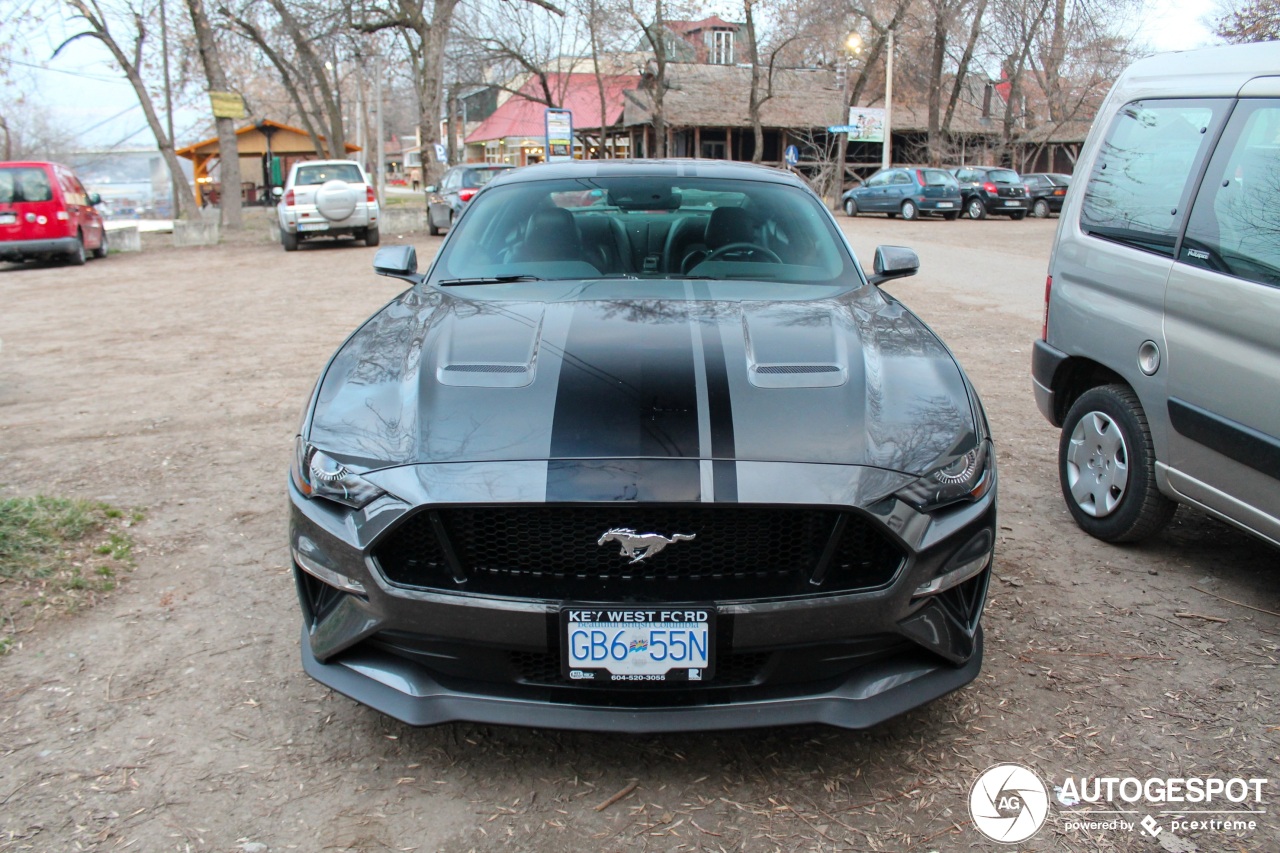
47, 548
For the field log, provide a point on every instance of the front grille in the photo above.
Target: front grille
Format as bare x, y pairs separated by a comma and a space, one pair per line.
551, 552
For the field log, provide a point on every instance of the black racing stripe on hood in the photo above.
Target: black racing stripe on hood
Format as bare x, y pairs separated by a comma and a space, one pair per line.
641, 480
719, 404
627, 387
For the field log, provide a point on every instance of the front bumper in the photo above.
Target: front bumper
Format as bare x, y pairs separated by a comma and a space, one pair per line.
847, 659
51, 246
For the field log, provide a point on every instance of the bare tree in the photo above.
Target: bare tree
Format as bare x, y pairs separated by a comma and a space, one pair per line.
228, 148
1246, 21
96, 18
657, 37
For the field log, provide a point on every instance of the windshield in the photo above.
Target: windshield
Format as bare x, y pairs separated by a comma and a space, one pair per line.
1003, 176
318, 174
480, 177
24, 183
646, 227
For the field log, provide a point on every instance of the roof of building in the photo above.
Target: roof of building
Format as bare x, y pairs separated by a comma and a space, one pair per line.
718, 95
715, 22
524, 114
210, 146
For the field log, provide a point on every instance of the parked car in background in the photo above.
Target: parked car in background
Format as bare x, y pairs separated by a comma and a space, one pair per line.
908, 191
1047, 189
990, 190
507, 505
327, 198
459, 184
45, 214
1159, 358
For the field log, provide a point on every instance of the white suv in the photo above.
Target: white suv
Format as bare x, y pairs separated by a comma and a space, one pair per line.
327, 198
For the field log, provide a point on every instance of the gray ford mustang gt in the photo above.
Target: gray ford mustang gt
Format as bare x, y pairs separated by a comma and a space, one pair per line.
643, 450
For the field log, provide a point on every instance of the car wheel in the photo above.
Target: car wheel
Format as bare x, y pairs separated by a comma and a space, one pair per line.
432, 228
289, 240
451, 215
1040, 210
910, 211
77, 256
1017, 216
850, 207
951, 217
976, 209
371, 236
101, 251
1106, 465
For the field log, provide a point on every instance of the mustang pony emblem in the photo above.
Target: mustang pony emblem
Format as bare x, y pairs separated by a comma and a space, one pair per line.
641, 546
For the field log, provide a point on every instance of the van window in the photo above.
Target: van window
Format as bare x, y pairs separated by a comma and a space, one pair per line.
1235, 223
24, 183
1138, 191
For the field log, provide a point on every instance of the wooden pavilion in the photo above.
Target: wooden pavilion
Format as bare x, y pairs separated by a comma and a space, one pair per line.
268, 149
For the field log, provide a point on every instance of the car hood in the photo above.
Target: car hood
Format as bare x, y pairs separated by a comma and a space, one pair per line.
638, 369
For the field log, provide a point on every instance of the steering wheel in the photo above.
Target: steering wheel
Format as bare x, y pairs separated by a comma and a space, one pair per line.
748, 249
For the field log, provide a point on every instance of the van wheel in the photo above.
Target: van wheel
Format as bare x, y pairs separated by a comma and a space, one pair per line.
850, 207
371, 236
101, 251
1040, 210
976, 209
1106, 465
910, 211
432, 228
77, 256
289, 240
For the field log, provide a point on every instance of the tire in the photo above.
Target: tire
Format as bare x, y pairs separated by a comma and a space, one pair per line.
101, 252
432, 228
1106, 467
371, 236
951, 217
77, 257
1040, 210
909, 211
289, 241
975, 209
850, 207
1017, 217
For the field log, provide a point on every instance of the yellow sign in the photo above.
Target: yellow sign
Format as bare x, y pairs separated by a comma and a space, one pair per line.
227, 105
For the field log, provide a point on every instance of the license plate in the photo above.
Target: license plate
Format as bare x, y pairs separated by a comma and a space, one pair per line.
630, 645
8, 218
1013, 204
313, 226
945, 204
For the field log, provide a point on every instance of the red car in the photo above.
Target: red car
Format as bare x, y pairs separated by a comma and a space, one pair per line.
45, 213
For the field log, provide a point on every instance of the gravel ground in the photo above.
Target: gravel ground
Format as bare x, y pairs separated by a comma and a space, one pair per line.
175, 715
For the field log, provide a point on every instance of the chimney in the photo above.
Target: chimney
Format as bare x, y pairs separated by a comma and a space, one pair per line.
986, 99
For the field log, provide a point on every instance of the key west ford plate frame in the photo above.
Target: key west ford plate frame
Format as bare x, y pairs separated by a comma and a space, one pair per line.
617, 646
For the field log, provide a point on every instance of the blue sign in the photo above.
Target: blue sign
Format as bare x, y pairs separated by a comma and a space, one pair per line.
844, 128
791, 156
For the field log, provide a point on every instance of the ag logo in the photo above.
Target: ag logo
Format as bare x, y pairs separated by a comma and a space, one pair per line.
1008, 803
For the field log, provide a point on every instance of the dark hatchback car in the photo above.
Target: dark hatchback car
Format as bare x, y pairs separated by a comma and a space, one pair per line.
909, 192
1048, 190
457, 186
992, 191
643, 450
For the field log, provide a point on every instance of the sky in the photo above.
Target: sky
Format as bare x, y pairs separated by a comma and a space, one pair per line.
82, 90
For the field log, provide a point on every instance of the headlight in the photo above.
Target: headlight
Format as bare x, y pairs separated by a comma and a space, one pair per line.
318, 475
966, 478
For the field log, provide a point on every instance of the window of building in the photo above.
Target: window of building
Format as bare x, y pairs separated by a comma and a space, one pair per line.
720, 47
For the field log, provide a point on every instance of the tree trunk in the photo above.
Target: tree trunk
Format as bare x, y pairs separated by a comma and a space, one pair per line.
962, 69
938, 55
753, 105
228, 148
330, 98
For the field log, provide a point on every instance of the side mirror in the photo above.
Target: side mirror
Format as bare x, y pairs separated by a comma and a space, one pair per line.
276, 192
95, 199
894, 262
431, 188
397, 262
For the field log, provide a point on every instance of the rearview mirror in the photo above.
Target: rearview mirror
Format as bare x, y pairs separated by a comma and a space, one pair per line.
95, 199
397, 262
431, 188
894, 262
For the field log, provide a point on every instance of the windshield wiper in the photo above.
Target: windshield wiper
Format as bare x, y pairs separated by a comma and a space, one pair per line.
493, 279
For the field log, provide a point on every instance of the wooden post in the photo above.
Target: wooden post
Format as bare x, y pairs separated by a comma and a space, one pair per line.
697, 143
728, 143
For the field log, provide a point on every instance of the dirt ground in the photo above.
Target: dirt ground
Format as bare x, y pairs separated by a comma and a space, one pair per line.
175, 715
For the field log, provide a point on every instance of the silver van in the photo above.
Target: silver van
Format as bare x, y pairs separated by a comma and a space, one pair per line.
1160, 352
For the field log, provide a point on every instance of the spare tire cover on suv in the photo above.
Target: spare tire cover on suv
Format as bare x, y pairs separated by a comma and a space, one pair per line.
336, 200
